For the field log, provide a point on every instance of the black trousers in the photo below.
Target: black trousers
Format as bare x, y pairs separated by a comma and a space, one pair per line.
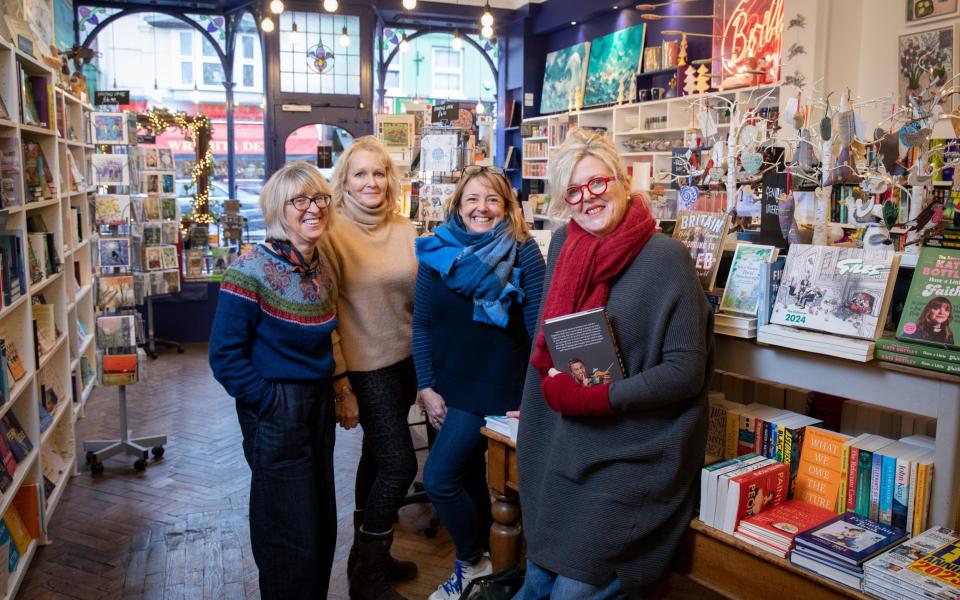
293, 511
388, 464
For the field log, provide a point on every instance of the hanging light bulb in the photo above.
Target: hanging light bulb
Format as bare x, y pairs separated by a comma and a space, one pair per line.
344, 37
331, 5
480, 108
267, 24
487, 31
195, 95
455, 43
296, 38
263, 102
409, 4
486, 19
157, 94
404, 44
276, 6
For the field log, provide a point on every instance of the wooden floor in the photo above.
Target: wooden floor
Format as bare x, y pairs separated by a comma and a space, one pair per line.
179, 529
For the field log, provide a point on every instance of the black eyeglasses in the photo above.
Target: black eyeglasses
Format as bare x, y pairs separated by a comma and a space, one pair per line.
477, 169
596, 186
302, 203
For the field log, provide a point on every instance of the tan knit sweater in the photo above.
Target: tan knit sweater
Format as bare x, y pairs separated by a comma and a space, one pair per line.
375, 269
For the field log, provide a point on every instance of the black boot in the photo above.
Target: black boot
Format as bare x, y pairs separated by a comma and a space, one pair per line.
369, 579
397, 570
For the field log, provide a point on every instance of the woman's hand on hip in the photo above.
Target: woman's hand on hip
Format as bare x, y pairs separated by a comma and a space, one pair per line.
435, 406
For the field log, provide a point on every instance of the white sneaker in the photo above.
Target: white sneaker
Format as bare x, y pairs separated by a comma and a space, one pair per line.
461, 577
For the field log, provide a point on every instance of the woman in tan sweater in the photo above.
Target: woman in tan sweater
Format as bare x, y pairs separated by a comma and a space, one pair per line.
371, 256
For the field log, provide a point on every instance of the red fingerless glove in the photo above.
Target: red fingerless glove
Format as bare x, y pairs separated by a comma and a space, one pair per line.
568, 397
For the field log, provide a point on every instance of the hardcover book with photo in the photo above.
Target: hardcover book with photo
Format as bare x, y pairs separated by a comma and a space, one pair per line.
582, 344
703, 234
934, 296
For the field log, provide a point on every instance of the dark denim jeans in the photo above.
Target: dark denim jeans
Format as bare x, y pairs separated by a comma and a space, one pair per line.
388, 464
293, 511
541, 584
456, 483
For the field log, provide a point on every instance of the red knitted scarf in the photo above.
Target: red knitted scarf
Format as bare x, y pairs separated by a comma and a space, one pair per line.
586, 266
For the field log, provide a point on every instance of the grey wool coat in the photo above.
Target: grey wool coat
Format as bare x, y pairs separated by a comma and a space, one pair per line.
612, 496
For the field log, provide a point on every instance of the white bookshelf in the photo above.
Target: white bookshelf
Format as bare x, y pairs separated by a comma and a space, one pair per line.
71, 300
668, 120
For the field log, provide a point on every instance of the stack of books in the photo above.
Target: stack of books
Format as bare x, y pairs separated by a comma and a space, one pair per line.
927, 334
838, 548
506, 426
745, 291
774, 530
920, 568
735, 325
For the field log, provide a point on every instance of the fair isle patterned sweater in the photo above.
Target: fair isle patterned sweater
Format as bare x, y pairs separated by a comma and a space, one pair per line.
272, 325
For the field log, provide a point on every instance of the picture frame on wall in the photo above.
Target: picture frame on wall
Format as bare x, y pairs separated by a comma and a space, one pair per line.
921, 12
564, 75
924, 59
615, 60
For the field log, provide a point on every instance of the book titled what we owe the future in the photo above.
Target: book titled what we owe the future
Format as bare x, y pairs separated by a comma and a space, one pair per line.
582, 344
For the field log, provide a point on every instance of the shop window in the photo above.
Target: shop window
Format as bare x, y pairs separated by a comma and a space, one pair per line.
447, 78
247, 64
304, 143
312, 61
393, 83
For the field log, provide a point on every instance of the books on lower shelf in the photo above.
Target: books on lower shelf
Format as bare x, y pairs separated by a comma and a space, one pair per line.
838, 548
822, 470
774, 530
907, 572
921, 356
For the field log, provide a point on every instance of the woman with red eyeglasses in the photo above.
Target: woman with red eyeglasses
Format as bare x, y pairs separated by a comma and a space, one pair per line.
608, 472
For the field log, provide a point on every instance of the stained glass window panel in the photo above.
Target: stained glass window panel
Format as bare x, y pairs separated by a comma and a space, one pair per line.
312, 59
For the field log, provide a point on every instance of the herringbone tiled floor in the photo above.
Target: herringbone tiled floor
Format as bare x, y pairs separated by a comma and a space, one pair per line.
179, 529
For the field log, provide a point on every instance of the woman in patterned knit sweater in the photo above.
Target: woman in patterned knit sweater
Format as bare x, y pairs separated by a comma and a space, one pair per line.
274, 348
608, 473
370, 252
478, 293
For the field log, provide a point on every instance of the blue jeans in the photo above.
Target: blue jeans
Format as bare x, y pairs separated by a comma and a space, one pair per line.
454, 478
293, 510
541, 584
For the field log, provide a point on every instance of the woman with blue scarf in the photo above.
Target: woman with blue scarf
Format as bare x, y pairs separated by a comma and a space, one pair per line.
475, 314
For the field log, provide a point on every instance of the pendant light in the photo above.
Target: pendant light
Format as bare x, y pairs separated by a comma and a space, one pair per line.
455, 43
331, 5
486, 31
195, 95
409, 4
295, 35
486, 19
480, 108
267, 24
344, 37
276, 6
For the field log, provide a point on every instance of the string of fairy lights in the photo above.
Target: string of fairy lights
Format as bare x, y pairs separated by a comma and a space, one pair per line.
194, 128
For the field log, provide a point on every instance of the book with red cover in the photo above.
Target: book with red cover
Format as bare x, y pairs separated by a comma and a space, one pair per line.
778, 526
752, 493
119, 369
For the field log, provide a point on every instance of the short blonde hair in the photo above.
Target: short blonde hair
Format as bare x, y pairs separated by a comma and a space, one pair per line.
578, 144
511, 204
342, 170
294, 178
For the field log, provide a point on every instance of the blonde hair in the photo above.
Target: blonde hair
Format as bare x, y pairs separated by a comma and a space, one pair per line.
294, 178
578, 144
511, 204
342, 170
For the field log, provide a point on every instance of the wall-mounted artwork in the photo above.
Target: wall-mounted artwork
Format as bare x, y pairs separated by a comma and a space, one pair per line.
924, 59
563, 78
614, 63
924, 11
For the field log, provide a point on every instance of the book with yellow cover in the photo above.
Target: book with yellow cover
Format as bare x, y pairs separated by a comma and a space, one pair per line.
18, 531
821, 468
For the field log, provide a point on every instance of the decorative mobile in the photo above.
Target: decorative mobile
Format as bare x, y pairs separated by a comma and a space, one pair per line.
320, 58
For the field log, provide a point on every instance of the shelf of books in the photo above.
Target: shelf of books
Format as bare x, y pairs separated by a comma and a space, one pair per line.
46, 309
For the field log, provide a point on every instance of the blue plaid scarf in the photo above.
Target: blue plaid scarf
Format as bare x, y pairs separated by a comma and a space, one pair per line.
478, 265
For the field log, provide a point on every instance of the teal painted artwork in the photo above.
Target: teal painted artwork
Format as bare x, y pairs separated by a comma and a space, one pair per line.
564, 72
614, 59
63, 24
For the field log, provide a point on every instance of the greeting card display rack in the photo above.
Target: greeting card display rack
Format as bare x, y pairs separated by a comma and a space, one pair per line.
445, 151
122, 284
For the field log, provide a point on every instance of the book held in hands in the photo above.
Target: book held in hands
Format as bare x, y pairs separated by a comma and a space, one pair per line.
582, 344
